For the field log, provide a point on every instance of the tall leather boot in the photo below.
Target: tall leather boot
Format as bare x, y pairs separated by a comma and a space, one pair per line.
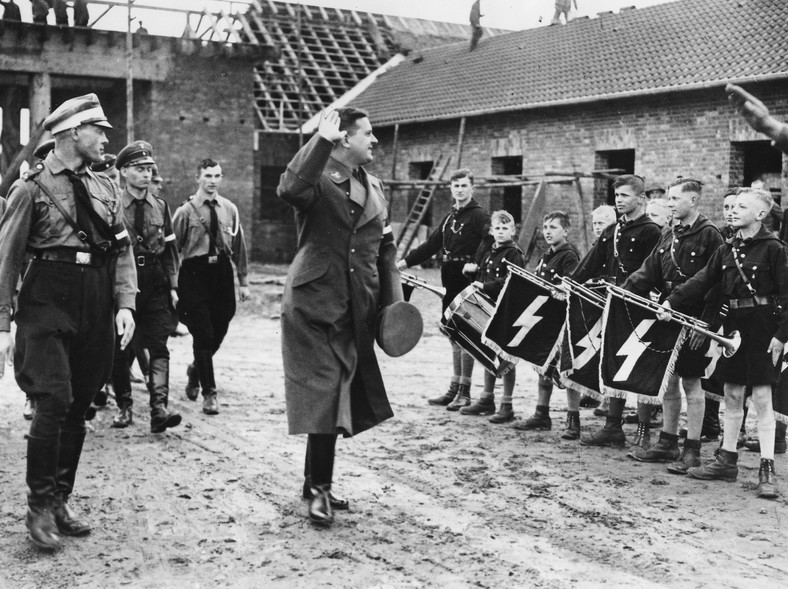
41, 466
68, 460
779, 440
124, 401
203, 360
160, 416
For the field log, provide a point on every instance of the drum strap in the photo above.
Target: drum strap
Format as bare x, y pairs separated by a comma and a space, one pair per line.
747, 283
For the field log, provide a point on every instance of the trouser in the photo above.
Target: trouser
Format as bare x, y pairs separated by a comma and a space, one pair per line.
63, 353
155, 319
207, 300
319, 461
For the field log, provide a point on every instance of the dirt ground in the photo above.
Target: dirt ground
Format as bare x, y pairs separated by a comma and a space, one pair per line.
437, 499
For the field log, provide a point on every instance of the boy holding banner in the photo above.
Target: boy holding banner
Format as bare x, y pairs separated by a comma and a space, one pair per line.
559, 260
753, 271
682, 251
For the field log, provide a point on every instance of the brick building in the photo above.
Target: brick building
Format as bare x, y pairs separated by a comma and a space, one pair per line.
640, 90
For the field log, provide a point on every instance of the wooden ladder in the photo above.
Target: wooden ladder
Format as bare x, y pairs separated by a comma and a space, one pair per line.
411, 227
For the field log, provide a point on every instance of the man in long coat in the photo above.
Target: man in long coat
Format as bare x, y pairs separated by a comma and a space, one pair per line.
344, 271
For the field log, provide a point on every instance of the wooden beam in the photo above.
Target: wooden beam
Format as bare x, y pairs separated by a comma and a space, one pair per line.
460, 141
12, 173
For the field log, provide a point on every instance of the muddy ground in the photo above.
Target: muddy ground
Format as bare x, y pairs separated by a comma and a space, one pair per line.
438, 499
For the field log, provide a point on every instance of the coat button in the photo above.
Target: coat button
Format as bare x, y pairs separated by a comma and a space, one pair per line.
353, 250
352, 270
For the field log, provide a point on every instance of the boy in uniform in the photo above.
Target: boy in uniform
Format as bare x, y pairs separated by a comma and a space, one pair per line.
559, 260
492, 271
753, 271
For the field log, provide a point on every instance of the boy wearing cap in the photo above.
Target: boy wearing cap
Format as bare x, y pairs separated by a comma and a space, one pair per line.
150, 227
209, 235
82, 270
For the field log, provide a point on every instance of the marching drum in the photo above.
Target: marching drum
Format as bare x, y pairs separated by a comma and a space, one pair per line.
465, 320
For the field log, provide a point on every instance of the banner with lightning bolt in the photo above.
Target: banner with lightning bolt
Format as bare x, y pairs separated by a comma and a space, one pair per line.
638, 351
526, 324
581, 344
711, 382
780, 392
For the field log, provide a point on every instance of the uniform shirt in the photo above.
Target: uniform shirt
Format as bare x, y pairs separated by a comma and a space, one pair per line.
191, 236
558, 262
691, 247
459, 237
632, 240
765, 264
158, 239
33, 222
493, 269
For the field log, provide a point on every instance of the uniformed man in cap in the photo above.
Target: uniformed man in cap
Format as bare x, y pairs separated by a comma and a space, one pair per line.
209, 236
150, 226
82, 270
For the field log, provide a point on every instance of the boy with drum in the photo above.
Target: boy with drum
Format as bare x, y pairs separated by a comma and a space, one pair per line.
457, 240
492, 272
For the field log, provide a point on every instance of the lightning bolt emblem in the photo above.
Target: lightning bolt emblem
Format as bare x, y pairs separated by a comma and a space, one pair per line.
527, 320
590, 344
713, 354
633, 349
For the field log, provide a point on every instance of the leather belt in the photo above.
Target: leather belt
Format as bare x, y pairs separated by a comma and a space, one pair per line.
747, 302
70, 256
146, 259
466, 258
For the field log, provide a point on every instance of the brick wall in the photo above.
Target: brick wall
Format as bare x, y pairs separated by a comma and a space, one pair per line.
203, 110
687, 134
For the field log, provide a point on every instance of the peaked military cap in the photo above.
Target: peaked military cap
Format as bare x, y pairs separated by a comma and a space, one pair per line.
107, 161
156, 176
82, 110
135, 153
44, 148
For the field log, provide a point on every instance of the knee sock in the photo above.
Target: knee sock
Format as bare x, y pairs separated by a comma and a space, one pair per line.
762, 400
614, 413
508, 386
671, 407
696, 408
734, 415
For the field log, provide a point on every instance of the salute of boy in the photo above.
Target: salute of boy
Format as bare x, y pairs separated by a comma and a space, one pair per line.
752, 269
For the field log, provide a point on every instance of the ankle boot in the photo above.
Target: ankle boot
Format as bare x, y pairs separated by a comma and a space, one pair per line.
610, 435
446, 397
192, 383
42, 456
690, 458
485, 405
160, 416
124, 417
767, 480
203, 360
504, 415
722, 468
642, 441
572, 428
462, 399
540, 420
666, 448
68, 460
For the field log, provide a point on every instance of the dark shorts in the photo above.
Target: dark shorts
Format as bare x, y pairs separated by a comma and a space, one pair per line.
692, 363
751, 364
454, 281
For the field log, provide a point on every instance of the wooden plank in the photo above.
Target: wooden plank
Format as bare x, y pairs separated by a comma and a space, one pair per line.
533, 221
11, 174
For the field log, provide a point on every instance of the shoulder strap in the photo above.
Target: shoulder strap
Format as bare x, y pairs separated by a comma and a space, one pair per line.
83, 232
219, 246
673, 257
747, 283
